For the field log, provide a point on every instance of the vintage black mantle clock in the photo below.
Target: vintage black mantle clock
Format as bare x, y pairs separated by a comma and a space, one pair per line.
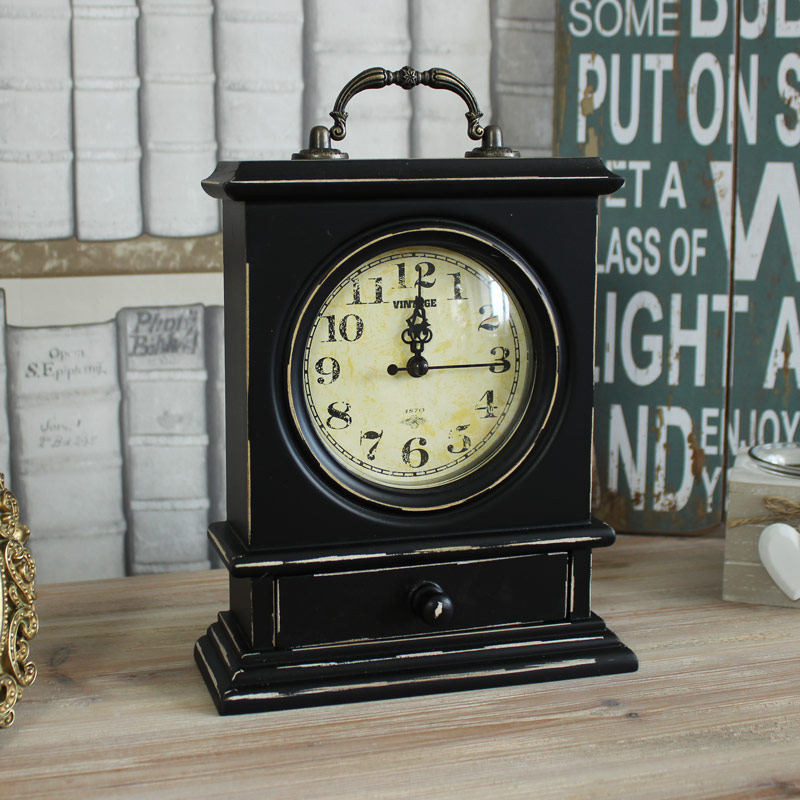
409, 359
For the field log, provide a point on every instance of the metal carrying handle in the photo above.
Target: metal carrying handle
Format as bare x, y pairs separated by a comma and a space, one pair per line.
407, 78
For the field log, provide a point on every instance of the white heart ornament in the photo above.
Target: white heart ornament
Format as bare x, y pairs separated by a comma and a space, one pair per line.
779, 551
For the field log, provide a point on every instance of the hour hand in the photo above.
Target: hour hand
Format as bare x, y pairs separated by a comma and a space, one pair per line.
418, 331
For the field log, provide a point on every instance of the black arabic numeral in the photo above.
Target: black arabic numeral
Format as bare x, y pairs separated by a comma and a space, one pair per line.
350, 329
490, 321
348, 332
401, 275
357, 301
371, 436
466, 442
456, 276
489, 407
417, 453
501, 362
327, 367
356, 294
339, 419
331, 328
429, 270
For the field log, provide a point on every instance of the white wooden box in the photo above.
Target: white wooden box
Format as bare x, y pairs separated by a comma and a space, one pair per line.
745, 579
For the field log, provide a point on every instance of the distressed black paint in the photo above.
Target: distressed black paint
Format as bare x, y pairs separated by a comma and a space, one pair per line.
321, 578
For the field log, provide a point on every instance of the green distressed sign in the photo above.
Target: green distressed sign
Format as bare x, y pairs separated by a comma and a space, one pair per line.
651, 86
764, 243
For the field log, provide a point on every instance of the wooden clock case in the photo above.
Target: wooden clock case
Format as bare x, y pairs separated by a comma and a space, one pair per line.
328, 590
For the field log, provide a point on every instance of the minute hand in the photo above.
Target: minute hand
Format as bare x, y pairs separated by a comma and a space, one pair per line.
494, 366
500, 365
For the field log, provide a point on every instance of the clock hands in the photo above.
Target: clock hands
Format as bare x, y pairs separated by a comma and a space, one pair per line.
416, 336
418, 333
393, 369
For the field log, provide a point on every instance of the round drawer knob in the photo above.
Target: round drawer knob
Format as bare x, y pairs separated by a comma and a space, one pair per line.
431, 604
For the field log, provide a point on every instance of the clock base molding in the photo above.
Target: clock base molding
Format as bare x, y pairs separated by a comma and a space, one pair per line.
244, 681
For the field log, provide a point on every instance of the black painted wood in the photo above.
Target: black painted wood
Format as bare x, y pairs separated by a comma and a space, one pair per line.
322, 676
291, 180
322, 580
372, 604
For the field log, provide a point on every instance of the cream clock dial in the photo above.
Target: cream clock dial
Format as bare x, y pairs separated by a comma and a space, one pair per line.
417, 367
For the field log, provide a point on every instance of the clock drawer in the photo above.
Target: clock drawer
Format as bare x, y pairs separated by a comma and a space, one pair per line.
383, 603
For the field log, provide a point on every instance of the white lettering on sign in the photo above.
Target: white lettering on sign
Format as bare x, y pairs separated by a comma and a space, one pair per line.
708, 27
790, 426
691, 338
739, 304
706, 64
652, 344
630, 17
610, 344
672, 417
785, 28
684, 250
709, 429
619, 198
640, 339
632, 260
748, 102
635, 90
658, 64
619, 449
625, 134
753, 28
673, 187
778, 188
710, 484
789, 129
622, 463
590, 96
763, 427
785, 354
674, 456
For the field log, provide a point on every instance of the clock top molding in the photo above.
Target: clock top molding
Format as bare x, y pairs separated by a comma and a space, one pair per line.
395, 178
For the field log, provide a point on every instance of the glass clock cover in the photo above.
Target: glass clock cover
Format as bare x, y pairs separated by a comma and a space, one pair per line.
418, 363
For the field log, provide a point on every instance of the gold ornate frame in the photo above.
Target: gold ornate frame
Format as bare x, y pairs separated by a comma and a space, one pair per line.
18, 620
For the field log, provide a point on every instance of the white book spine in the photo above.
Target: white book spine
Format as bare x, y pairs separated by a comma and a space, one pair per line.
106, 119
259, 67
165, 439
5, 452
177, 116
439, 127
523, 73
66, 462
35, 120
341, 40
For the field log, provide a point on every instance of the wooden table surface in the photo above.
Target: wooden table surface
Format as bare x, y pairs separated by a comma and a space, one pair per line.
119, 708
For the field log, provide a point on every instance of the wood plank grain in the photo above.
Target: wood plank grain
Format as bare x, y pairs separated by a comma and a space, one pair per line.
119, 709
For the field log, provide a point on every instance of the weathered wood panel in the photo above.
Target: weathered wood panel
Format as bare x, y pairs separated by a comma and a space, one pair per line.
697, 105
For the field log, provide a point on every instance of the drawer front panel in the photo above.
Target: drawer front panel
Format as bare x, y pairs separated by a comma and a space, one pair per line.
375, 604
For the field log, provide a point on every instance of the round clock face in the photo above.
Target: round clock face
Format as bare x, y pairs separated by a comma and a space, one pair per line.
417, 364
